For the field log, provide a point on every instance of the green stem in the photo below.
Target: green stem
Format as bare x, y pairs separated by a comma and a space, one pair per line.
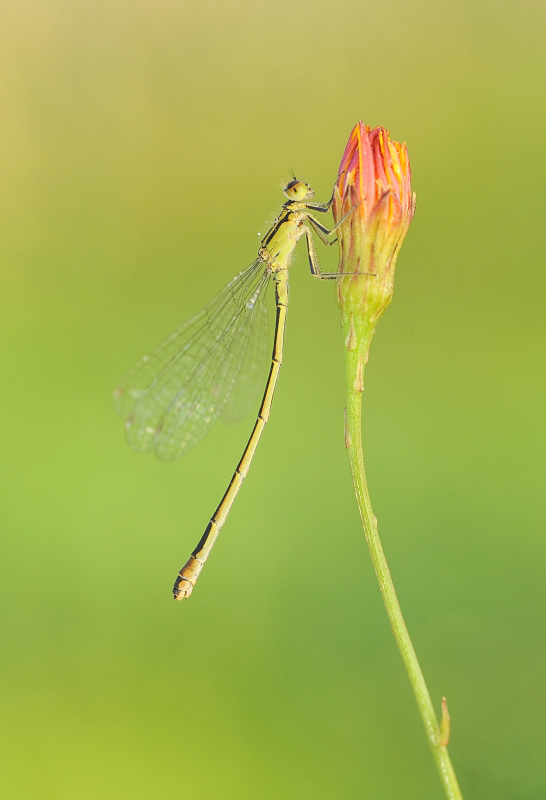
354, 366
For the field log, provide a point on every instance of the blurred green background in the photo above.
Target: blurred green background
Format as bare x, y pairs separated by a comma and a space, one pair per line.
143, 146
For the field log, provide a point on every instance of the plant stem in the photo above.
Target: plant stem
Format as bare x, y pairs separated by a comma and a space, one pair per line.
355, 360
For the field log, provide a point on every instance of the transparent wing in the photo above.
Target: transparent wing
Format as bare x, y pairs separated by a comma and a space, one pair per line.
172, 396
252, 376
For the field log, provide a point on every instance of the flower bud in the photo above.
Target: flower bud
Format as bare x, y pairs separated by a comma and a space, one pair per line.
373, 192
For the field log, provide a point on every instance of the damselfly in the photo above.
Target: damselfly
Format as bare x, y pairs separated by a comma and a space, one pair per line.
209, 366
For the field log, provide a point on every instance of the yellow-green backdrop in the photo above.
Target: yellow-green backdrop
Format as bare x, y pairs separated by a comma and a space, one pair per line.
143, 146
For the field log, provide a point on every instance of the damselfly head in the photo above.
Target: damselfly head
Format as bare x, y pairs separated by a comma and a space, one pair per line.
298, 190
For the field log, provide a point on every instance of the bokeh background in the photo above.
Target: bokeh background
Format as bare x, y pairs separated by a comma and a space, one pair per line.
143, 146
